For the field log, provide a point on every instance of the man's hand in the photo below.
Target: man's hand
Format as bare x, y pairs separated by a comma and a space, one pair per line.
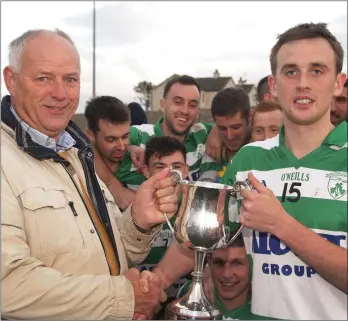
208, 285
137, 155
261, 210
124, 197
214, 146
156, 196
147, 303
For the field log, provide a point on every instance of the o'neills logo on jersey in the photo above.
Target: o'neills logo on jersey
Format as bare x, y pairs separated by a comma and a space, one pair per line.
270, 245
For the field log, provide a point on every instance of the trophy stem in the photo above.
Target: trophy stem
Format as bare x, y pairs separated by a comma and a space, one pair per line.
197, 273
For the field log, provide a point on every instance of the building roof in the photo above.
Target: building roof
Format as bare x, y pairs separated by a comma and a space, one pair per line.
247, 87
208, 84
211, 84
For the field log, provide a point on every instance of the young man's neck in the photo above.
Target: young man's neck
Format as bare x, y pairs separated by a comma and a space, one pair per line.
167, 132
236, 302
112, 166
303, 139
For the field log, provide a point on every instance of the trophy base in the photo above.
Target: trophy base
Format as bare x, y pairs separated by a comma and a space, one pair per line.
192, 306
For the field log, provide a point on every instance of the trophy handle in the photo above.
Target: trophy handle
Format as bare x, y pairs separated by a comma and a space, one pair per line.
169, 224
237, 187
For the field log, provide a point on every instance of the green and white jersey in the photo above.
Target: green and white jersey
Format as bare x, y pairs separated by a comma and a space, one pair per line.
212, 170
241, 313
141, 134
127, 174
314, 191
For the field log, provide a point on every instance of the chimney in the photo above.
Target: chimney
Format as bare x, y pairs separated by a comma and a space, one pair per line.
216, 74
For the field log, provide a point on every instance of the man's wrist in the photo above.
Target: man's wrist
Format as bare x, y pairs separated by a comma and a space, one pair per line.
142, 229
282, 226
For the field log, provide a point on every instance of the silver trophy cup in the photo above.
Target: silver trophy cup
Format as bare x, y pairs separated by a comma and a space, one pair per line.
203, 225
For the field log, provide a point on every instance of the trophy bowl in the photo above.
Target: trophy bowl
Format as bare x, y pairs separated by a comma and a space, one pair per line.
208, 219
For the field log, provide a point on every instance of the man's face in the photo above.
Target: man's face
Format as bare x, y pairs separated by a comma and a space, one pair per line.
180, 107
156, 164
306, 80
230, 272
46, 89
111, 140
339, 108
266, 125
233, 130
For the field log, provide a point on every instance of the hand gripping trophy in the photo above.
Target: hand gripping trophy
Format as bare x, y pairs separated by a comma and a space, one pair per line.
208, 220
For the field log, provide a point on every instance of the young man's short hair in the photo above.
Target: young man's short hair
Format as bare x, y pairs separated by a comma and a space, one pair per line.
162, 146
307, 31
107, 108
231, 101
183, 80
266, 106
262, 88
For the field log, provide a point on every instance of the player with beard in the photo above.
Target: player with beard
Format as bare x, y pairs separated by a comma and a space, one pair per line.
108, 121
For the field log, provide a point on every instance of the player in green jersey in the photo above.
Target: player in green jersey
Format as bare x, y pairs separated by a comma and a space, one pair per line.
108, 121
297, 220
180, 105
231, 275
161, 152
230, 109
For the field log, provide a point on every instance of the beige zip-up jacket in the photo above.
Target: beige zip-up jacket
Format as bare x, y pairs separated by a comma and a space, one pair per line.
52, 262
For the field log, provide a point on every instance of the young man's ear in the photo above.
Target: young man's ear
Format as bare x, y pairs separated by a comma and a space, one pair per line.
145, 171
90, 135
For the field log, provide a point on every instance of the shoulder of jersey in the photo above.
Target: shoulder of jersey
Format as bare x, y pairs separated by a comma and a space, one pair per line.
265, 144
197, 127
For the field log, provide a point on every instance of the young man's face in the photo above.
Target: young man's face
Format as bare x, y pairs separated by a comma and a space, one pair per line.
233, 130
112, 140
181, 108
266, 125
306, 80
157, 163
339, 108
230, 272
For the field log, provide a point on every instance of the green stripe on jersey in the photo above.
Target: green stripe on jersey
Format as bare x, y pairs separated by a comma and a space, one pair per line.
314, 191
140, 135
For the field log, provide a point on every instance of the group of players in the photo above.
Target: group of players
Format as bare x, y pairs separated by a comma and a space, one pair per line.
293, 254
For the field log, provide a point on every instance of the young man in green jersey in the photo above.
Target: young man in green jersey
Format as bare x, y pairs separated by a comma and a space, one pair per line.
108, 121
180, 106
230, 109
296, 225
297, 220
162, 152
231, 276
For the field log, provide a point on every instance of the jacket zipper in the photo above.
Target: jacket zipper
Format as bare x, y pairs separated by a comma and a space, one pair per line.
91, 217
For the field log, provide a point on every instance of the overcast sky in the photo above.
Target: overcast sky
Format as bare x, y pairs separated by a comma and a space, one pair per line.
150, 41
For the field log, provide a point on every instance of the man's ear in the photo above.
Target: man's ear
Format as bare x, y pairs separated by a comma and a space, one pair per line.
145, 171
10, 78
90, 135
273, 86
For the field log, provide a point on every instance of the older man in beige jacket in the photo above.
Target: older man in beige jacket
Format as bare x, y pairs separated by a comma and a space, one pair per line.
65, 246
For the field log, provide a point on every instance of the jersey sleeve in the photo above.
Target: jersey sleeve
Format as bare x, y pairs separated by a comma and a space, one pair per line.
229, 177
135, 136
208, 126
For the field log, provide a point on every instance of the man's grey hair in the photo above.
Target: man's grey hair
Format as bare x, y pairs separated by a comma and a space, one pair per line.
17, 45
